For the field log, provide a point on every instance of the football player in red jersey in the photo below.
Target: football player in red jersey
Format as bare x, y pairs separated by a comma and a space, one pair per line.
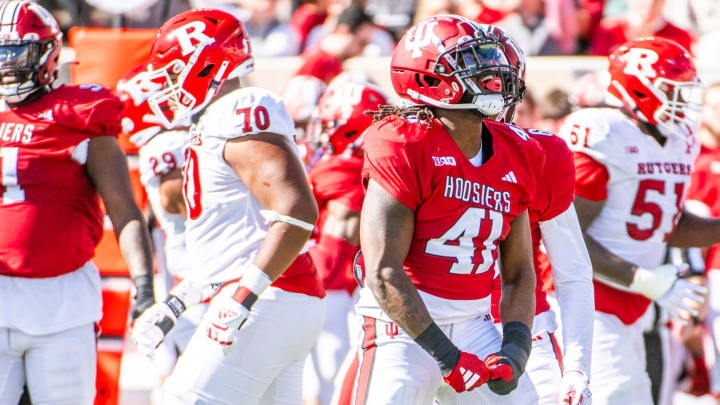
633, 165
559, 376
447, 185
338, 124
58, 152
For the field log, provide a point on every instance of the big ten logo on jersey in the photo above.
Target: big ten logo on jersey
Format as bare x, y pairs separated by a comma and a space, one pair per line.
11, 132
640, 61
421, 36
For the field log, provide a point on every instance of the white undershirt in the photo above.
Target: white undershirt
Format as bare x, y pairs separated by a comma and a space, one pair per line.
572, 277
41, 306
477, 159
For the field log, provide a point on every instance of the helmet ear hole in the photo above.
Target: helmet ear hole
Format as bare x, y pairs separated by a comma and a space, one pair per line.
206, 70
427, 81
431, 81
639, 94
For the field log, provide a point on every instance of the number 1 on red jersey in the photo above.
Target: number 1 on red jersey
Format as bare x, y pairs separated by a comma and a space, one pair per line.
12, 193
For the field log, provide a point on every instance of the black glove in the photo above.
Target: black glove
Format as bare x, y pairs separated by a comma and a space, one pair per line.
144, 296
513, 356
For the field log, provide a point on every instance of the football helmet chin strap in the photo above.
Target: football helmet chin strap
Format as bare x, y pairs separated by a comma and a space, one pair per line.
273, 216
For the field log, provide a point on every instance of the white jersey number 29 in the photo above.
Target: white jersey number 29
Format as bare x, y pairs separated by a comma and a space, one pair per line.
462, 235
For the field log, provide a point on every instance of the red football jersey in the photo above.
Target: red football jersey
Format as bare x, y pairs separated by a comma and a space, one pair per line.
705, 187
461, 211
49, 209
553, 195
336, 178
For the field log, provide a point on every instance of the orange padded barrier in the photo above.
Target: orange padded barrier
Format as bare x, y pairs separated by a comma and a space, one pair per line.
109, 357
104, 55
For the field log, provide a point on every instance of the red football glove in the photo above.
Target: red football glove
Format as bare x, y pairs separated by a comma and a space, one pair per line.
469, 373
502, 374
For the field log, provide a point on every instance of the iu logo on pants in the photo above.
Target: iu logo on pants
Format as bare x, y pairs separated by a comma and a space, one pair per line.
391, 330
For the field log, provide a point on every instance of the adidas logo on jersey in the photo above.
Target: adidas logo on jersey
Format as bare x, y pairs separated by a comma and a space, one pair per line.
444, 161
47, 115
510, 177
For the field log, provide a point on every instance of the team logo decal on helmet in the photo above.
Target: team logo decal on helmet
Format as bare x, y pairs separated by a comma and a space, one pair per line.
656, 80
340, 120
451, 62
192, 56
134, 89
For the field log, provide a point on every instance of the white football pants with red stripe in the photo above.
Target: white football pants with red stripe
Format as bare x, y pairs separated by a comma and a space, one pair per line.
394, 370
544, 366
266, 364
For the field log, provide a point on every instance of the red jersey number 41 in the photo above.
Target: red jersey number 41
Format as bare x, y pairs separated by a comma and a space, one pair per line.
458, 242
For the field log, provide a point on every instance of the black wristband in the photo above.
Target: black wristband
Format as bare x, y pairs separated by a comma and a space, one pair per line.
176, 305
516, 344
434, 341
143, 284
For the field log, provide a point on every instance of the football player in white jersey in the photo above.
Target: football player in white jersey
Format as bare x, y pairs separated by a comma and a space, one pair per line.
249, 213
633, 165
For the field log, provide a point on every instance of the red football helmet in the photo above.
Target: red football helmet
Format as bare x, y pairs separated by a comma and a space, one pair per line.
134, 89
30, 42
193, 54
301, 95
340, 119
448, 61
656, 80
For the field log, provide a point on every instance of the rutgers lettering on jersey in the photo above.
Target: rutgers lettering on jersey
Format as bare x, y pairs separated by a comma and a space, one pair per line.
642, 184
44, 190
462, 212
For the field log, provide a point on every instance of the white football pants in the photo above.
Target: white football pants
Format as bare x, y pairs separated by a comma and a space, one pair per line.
330, 348
265, 366
618, 375
59, 368
394, 370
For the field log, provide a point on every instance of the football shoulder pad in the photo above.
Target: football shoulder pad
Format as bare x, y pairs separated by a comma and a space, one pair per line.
604, 134
163, 153
247, 111
89, 108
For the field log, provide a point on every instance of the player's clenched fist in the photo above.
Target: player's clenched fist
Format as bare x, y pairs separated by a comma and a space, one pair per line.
469, 373
575, 389
227, 313
226, 317
153, 325
509, 363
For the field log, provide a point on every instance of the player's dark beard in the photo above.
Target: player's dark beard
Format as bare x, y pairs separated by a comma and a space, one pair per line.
648, 129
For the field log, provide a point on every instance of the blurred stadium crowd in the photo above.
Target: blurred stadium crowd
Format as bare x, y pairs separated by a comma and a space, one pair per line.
541, 27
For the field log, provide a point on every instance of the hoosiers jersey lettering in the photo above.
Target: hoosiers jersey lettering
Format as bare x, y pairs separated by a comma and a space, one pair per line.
336, 178
643, 185
225, 229
159, 156
461, 211
553, 195
49, 208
